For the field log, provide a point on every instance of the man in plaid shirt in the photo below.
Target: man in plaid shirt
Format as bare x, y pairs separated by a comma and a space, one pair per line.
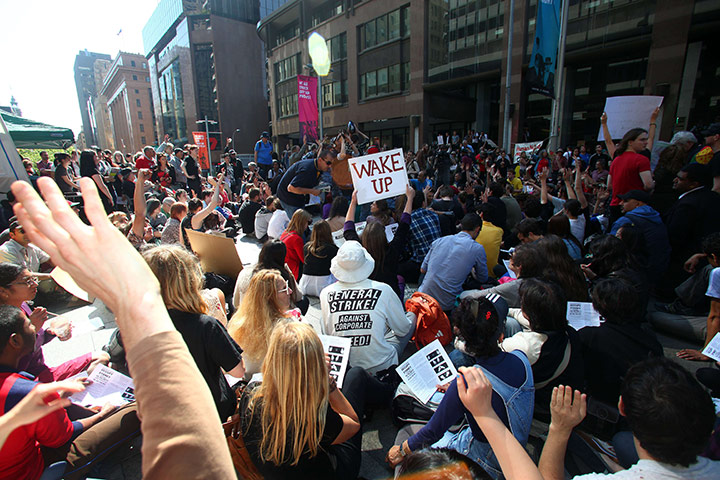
424, 229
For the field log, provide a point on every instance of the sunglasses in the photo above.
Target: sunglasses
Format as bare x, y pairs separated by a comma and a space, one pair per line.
287, 289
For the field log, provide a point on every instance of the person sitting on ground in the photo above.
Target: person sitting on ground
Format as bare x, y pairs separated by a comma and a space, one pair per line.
477, 323
54, 438
293, 238
262, 219
278, 222
266, 304
271, 257
19, 251
17, 287
551, 345
374, 240
155, 216
319, 252
295, 424
366, 311
490, 235
451, 260
618, 343
380, 212
171, 232
432, 463
529, 230
247, 211
197, 213
137, 230
560, 267
338, 211
210, 345
424, 230
559, 225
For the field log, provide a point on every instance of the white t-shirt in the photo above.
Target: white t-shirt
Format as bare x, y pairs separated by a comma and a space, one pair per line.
278, 223
704, 469
577, 228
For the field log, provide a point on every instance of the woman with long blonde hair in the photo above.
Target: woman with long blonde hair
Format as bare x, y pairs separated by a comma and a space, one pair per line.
295, 420
212, 348
264, 305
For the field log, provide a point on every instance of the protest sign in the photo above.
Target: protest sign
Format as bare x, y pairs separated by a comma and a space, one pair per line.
338, 348
628, 112
529, 147
217, 254
200, 140
379, 175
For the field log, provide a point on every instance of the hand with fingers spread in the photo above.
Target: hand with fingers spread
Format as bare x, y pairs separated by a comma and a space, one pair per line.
567, 408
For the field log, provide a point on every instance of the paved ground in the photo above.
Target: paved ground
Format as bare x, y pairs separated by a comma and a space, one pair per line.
378, 433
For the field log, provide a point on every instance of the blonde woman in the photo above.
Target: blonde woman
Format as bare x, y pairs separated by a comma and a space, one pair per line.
210, 345
264, 305
294, 422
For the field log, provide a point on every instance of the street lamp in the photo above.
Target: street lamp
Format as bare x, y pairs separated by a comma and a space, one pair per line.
233, 139
317, 47
207, 139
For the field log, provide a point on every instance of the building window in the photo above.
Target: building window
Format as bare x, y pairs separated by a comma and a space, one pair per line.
139, 115
287, 68
334, 94
326, 10
337, 46
143, 141
287, 105
172, 105
142, 129
385, 28
135, 77
147, 79
144, 65
137, 102
385, 81
132, 63
137, 91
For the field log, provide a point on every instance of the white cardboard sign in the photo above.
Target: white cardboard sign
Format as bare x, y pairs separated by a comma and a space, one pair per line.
628, 112
526, 147
379, 175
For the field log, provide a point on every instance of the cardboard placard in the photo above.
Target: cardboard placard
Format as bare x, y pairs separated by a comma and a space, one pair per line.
64, 279
529, 147
217, 254
379, 175
628, 112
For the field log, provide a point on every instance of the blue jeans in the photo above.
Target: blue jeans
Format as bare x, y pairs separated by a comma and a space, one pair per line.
519, 403
289, 209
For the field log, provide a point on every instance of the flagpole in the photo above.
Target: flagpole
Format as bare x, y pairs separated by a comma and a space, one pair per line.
560, 68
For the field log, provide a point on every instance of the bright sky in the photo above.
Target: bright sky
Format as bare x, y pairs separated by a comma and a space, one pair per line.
39, 40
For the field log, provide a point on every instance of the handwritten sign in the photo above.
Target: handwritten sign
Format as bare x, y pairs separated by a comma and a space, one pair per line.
379, 175
628, 112
529, 147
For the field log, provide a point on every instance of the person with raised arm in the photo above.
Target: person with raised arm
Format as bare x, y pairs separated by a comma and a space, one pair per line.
155, 350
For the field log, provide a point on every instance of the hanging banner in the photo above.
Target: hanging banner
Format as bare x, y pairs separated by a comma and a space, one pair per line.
379, 175
308, 107
201, 141
543, 62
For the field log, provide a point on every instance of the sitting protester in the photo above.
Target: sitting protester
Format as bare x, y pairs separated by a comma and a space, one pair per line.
319, 252
292, 237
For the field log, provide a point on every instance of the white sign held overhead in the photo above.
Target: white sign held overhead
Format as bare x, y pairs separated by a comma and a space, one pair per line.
526, 147
628, 112
379, 175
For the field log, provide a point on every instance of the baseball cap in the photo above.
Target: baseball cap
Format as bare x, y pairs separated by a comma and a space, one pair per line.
713, 129
264, 135
638, 195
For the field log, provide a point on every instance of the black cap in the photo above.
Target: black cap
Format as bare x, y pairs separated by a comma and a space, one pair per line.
713, 129
264, 135
639, 195
14, 223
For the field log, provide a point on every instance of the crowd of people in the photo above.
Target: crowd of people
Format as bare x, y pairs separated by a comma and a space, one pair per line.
493, 246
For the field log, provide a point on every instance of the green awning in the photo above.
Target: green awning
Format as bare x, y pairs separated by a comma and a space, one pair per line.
28, 133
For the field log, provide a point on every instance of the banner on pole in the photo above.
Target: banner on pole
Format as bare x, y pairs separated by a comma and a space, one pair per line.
529, 147
379, 175
543, 62
200, 140
308, 107
629, 111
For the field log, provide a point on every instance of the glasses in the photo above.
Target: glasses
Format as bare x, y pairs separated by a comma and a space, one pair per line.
287, 289
29, 281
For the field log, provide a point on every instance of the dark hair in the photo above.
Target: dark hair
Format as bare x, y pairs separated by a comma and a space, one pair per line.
697, 172
253, 193
669, 412
206, 193
488, 212
672, 158
527, 257
194, 204
616, 300
339, 207
560, 268
9, 272
609, 254
384, 214
374, 240
528, 226
11, 321
543, 302
152, 205
418, 199
711, 244
634, 240
87, 161
478, 325
445, 463
630, 136
559, 225
272, 257
445, 191
532, 208
573, 207
496, 190
470, 222
179, 192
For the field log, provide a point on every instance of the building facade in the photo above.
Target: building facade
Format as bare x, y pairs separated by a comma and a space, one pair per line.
89, 72
205, 61
128, 95
407, 70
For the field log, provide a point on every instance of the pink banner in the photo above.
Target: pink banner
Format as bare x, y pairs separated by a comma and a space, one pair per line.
308, 107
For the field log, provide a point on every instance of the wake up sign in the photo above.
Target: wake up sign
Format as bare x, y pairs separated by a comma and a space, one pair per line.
379, 175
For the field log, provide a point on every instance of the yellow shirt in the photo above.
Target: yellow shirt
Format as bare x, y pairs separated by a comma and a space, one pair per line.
490, 237
516, 184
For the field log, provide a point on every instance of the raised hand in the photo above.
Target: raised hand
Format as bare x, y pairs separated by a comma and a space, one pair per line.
567, 409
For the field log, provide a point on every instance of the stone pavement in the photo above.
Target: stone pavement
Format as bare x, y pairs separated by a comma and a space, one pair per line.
378, 433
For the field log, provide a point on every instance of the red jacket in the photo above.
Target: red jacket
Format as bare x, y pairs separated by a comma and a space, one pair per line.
294, 256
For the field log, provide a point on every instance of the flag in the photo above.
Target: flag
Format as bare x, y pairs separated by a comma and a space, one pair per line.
543, 62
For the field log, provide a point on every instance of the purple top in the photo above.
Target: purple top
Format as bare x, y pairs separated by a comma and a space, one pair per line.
34, 362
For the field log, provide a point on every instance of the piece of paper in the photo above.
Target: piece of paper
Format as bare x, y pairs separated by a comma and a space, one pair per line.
511, 274
339, 350
426, 369
232, 381
107, 385
339, 239
390, 231
628, 112
217, 254
379, 175
712, 349
441, 140
64, 279
582, 314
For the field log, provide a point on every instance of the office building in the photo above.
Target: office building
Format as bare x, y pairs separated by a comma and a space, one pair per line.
407, 70
88, 70
205, 61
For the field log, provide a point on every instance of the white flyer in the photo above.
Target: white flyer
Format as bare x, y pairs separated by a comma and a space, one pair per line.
582, 314
511, 274
427, 369
339, 350
712, 349
390, 231
339, 239
107, 385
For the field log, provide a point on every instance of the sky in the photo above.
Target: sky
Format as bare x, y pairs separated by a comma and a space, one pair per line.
39, 40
